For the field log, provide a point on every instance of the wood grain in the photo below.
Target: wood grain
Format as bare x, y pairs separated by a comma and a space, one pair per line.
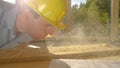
61, 52
114, 19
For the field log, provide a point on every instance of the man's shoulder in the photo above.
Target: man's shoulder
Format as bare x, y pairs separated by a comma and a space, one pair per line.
7, 22
5, 6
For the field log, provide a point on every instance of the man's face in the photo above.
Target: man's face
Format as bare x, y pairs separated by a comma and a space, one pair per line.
37, 27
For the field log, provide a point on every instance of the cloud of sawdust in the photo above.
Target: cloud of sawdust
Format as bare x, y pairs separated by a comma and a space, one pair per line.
80, 34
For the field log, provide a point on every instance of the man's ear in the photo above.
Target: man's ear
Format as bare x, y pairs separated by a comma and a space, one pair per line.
22, 20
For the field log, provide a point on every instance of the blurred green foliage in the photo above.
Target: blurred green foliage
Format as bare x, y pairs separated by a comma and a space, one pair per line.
94, 11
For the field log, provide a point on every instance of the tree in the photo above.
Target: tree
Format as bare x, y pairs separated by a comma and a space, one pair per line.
100, 9
105, 10
75, 13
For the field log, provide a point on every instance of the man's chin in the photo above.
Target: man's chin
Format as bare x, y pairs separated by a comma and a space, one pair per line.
41, 37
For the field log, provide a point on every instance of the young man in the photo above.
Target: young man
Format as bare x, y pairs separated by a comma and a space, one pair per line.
29, 20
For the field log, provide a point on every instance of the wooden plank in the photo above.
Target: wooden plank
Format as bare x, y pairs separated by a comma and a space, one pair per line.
23, 54
65, 63
114, 19
34, 64
68, 15
72, 52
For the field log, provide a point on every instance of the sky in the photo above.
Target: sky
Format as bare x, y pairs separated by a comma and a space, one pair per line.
10, 1
77, 2
73, 1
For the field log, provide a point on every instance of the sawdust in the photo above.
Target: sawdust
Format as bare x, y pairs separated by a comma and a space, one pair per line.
88, 51
84, 42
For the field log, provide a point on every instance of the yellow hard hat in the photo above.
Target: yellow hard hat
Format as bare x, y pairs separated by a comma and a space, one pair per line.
51, 10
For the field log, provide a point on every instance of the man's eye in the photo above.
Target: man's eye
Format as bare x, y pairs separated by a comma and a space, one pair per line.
48, 24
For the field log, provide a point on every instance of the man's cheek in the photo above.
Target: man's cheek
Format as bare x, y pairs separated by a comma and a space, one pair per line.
50, 30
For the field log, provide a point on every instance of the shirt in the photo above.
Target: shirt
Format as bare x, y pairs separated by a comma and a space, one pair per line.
8, 38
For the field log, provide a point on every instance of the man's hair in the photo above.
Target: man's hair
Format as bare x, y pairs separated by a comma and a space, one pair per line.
21, 8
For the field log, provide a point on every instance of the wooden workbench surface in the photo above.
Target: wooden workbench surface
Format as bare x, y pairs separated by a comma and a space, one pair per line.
65, 63
90, 51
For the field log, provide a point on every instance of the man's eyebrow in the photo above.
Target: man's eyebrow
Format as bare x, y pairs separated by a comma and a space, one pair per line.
34, 13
